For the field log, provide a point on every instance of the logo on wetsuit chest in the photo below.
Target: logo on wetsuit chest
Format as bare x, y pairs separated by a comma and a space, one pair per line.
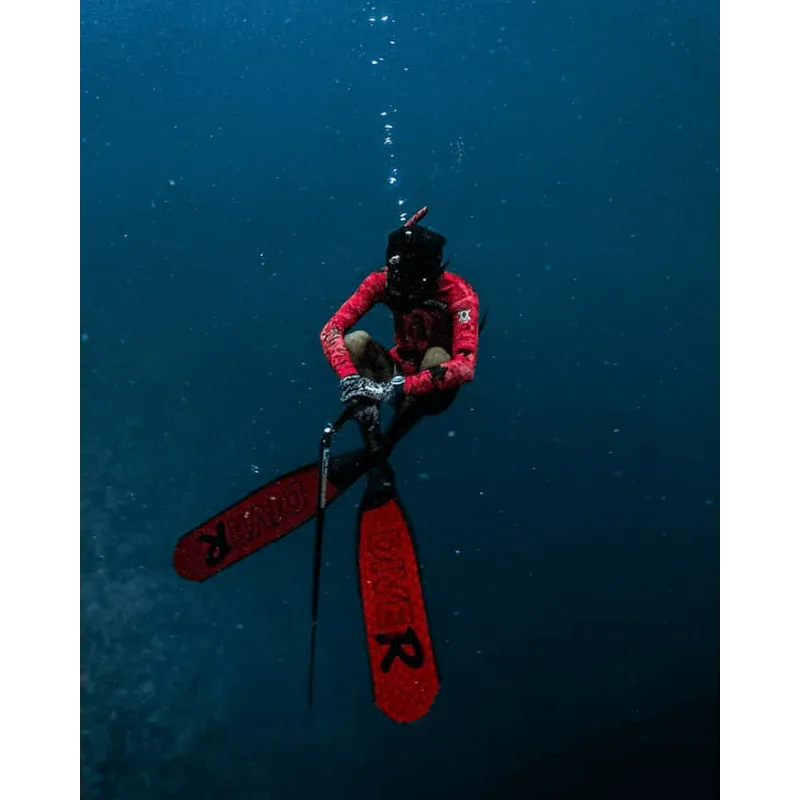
463, 315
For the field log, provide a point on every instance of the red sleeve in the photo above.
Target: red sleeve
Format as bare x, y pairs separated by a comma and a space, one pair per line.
461, 367
332, 335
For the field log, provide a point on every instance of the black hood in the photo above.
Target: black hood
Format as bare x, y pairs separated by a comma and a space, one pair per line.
415, 262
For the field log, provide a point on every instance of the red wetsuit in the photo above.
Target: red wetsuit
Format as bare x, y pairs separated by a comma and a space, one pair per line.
449, 319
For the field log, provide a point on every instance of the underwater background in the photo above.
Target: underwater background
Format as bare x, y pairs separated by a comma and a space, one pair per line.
238, 182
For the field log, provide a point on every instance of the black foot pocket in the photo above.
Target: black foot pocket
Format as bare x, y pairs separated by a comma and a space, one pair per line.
345, 469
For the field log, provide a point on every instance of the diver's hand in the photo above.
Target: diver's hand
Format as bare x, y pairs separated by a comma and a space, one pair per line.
356, 390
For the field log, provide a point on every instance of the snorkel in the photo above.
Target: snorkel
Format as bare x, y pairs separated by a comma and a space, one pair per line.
421, 214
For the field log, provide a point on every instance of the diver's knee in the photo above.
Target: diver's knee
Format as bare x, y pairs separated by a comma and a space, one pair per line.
434, 356
357, 343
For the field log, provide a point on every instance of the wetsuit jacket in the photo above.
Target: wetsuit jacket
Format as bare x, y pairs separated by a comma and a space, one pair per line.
449, 319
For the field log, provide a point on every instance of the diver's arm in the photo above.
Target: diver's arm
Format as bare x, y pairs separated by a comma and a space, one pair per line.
355, 307
460, 368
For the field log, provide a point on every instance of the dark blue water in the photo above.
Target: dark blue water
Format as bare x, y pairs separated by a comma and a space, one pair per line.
234, 191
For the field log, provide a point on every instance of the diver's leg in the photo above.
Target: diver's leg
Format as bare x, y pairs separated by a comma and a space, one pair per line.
413, 409
371, 359
374, 362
